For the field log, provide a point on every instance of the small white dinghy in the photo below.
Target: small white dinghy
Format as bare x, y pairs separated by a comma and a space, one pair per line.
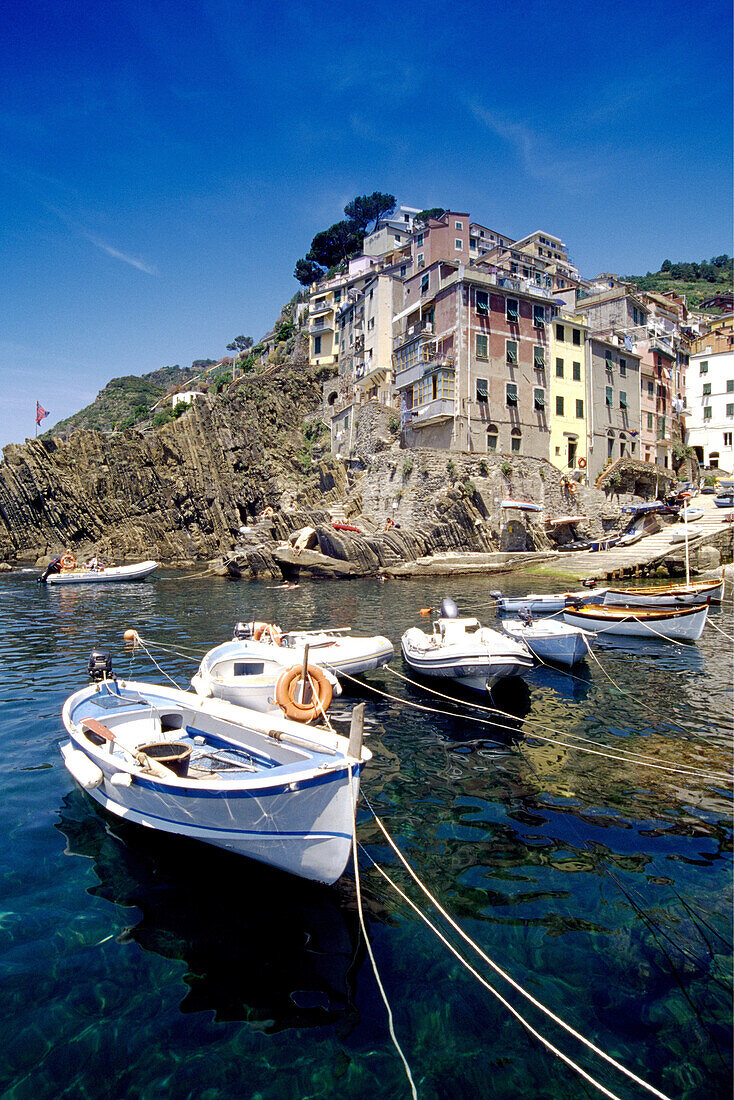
65, 571
231, 670
258, 785
549, 640
547, 603
260, 676
684, 624
462, 649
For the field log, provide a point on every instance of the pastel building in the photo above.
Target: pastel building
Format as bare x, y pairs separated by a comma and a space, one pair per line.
710, 397
324, 300
613, 401
566, 368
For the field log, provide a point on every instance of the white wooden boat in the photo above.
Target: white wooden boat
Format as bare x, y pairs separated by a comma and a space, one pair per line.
690, 514
684, 624
550, 640
100, 574
258, 785
252, 674
462, 649
669, 595
547, 603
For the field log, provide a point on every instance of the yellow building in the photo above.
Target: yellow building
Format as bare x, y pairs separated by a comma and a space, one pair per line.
567, 385
324, 301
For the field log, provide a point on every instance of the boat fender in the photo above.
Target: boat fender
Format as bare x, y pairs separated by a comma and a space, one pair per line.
121, 779
84, 770
285, 693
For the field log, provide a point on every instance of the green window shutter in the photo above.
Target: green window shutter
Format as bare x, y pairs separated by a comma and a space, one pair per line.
559, 368
482, 346
513, 310
577, 372
609, 395
559, 406
482, 389
539, 398
512, 351
622, 399
730, 410
539, 357
707, 389
579, 410
511, 393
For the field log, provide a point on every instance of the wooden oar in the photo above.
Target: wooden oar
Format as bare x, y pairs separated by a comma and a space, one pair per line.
140, 757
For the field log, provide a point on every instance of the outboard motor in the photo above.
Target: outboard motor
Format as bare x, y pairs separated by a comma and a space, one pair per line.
100, 666
496, 594
52, 567
242, 631
449, 610
525, 615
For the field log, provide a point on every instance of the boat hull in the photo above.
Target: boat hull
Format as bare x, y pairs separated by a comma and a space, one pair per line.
565, 646
105, 576
681, 625
478, 667
672, 596
547, 604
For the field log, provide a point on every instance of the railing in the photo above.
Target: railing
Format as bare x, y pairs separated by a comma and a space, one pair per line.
442, 408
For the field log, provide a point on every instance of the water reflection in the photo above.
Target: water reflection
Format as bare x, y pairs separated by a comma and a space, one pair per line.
258, 945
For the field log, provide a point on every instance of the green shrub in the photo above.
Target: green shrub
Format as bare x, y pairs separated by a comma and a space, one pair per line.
469, 487
163, 416
451, 470
483, 468
407, 466
506, 467
393, 424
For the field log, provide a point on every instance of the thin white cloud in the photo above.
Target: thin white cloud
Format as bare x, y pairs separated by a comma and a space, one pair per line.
117, 255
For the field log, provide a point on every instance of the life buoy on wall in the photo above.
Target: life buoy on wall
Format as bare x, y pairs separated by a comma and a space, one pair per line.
572, 487
68, 561
285, 693
582, 464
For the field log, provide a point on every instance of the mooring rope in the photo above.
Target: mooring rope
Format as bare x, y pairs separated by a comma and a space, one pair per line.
502, 973
728, 636
368, 945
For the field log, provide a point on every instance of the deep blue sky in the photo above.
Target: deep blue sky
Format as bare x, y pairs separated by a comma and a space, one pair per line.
164, 164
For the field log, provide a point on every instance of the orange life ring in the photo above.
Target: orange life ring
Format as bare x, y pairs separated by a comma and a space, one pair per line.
264, 632
572, 487
68, 561
267, 511
285, 692
582, 464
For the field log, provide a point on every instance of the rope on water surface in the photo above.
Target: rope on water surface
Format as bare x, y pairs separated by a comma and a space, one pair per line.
368, 945
623, 755
729, 636
502, 973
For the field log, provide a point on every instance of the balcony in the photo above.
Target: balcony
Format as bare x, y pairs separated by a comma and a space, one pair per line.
320, 329
412, 332
433, 412
429, 362
315, 310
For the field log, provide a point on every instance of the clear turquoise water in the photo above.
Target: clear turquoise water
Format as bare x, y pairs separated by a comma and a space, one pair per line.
133, 964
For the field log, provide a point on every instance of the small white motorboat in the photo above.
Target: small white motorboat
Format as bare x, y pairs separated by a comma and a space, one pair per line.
547, 603
683, 624
549, 640
258, 785
462, 649
669, 595
65, 570
690, 514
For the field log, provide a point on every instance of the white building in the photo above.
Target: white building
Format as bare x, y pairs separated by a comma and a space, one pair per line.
710, 397
188, 396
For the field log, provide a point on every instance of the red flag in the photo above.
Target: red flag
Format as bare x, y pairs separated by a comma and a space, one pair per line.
40, 413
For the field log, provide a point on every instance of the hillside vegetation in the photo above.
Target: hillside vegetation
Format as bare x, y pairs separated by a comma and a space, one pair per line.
127, 400
694, 280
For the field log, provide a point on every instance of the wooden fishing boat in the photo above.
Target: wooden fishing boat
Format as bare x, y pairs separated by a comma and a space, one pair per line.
254, 784
683, 624
669, 595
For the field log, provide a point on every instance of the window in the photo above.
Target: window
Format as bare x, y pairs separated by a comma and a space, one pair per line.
539, 357
622, 399
704, 368
730, 410
638, 315
317, 345
539, 399
539, 316
623, 368
512, 310
492, 434
482, 389
516, 441
609, 395
577, 372
728, 438
419, 240
346, 422
511, 393
559, 406
337, 296
708, 412
609, 361
559, 368
458, 225
403, 269
650, 389
421, 261
511, 351
730, 385
370, 324
579, 409
473, 242
397, 238
559, 332
425, 281
650, 421
483, 303
661, 427
707, 389
577, 337
458, 244
482, 342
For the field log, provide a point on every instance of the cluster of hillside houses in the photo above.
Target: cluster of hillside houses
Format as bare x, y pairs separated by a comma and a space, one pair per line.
481, 343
